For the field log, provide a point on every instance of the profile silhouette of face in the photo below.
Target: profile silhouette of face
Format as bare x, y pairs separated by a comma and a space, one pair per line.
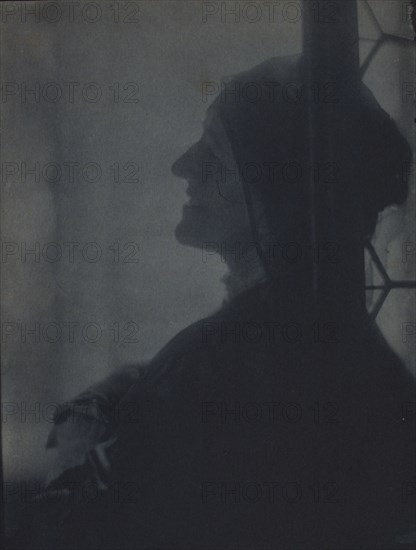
216, 211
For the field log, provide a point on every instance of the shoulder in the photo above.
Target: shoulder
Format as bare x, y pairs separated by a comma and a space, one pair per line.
197, 356
188, 352
206, 344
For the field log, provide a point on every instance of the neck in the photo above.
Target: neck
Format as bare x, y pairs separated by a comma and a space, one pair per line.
242, 276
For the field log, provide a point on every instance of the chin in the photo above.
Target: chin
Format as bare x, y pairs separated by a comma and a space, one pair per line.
192, 229
186, 235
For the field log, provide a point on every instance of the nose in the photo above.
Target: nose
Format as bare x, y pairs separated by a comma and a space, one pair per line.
185, 165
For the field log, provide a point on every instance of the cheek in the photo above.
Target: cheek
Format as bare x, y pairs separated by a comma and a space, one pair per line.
227, 200
218, 215
222, 187
233, 222
230, 190
214, 224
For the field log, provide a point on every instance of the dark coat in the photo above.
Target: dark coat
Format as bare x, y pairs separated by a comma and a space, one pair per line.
251, 433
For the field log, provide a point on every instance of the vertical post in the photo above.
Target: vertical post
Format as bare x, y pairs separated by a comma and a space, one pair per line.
331, 65
2, 504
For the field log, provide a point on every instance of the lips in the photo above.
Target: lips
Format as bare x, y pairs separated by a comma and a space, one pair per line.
192, 201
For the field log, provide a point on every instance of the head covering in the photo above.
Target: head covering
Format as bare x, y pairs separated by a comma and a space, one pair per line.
257, 128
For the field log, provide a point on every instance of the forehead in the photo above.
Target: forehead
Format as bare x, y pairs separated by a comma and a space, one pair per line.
210, 120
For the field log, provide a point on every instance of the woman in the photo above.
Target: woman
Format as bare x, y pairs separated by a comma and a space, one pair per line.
261, 426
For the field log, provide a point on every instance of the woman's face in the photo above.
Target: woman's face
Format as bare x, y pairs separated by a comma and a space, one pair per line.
216, 210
